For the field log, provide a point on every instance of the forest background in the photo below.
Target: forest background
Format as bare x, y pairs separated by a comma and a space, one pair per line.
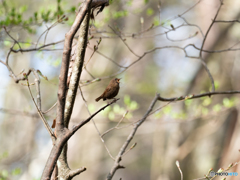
179, 67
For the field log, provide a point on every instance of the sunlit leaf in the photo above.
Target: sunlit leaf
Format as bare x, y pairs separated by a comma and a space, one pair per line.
127, 100
16, 171
206, 101
149, 11
116, 108
217, 107
111, 115
92, 108
167, 109
133, 105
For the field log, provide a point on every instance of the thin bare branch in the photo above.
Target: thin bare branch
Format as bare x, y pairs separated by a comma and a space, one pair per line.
115, 127
106, 57
118, 159
192, 96
58, 146
124, 41
99, 134
190, 8
54, 105
15, 41
230, 21
76, 172
178, 166
213, 21
41, 115
37, 84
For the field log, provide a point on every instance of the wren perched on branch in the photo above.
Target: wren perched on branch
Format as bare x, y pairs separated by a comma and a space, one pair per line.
111, 91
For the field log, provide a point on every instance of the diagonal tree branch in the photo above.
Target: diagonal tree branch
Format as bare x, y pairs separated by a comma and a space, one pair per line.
118, 159
58, 146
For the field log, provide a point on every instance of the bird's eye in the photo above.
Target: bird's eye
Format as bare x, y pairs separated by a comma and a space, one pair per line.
116, 79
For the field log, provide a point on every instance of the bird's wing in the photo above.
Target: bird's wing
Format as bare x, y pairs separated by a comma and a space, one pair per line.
108, 89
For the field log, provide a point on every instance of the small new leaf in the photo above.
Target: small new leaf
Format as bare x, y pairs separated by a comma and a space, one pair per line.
39, 72
133, 146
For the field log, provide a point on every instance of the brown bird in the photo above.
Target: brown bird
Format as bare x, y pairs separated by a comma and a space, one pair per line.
111, 91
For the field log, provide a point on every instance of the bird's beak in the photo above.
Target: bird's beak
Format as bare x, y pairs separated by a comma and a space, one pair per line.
119, 80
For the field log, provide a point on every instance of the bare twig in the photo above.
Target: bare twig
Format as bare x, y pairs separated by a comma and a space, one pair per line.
37, 84
41, 115
124, 42
15, 41
118, 159
213, 21
86, 105
204, 39
18, 113
192, 96
190, 8
178, 166
106, 57
45, 112
115, 127
58, 146
76, 172
177, 40
215, 51
230, 21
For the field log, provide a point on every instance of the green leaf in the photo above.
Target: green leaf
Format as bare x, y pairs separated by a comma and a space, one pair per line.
133, 105
217, 107
16, 171
4, 173
220, 170
158, 115
228, 102
188, 102
23, 9
206, 101
3, 155
150, 11
7, 43
111, 115
167, 109
116, 108
180, 115
119, 14
129, 3
36, 16
92, 108
73, 9
156, 21
57, 62
216, 84
204, 111
127, 100
129, 116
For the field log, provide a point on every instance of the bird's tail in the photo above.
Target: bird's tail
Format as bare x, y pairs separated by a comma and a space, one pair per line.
100, 97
